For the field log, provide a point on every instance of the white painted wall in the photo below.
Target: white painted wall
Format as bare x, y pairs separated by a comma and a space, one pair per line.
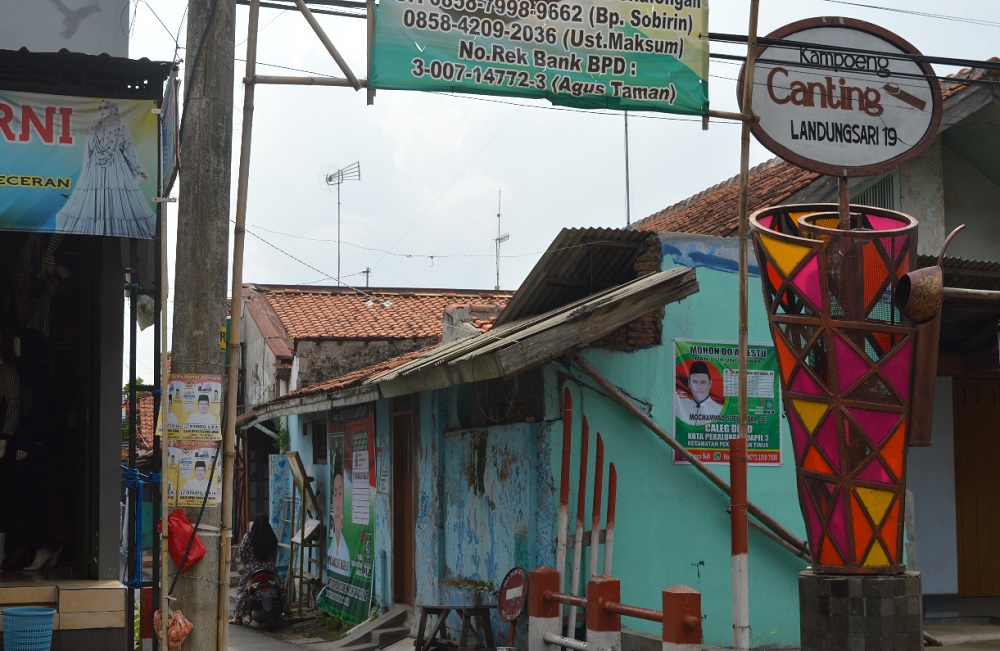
258, 370
970, 199
931, 477
922, 195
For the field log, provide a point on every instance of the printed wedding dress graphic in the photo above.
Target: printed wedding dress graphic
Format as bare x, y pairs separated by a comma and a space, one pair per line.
106, 199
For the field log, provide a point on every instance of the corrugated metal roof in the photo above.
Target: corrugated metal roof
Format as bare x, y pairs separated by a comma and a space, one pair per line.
516, 346
579, 262
968, 326
71, 73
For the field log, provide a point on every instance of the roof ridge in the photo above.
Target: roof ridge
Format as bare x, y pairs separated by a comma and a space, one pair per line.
695, 198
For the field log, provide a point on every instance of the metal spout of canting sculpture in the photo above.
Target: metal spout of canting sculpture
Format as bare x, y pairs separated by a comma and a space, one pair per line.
856, 390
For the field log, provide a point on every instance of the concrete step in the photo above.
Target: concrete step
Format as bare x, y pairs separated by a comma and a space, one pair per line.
383, 637
368, 636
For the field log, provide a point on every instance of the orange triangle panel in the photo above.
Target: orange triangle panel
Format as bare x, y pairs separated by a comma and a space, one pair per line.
891, 527
875, 272
814, 461
862, 530
786, 359
828, 553
894, 449
904, 266
773, 276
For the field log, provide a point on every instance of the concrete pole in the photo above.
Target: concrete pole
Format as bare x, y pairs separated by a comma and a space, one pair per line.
236, 309
201, 263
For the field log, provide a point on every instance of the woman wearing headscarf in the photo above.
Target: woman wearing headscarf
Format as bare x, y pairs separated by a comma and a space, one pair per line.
258, 551
106, 198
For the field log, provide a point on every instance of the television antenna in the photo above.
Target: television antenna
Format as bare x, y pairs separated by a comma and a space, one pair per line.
350, 173
500, 239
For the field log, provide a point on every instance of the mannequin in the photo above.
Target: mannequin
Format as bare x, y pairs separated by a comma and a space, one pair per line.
10, 397
31, 353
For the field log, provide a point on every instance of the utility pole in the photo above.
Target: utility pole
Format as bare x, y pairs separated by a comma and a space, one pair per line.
201, 264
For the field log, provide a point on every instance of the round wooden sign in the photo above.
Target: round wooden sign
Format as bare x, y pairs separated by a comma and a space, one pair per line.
843, 97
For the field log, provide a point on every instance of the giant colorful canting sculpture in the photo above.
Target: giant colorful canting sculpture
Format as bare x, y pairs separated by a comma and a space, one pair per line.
846, 354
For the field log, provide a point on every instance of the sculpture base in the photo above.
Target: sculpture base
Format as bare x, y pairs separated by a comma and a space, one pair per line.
860, 612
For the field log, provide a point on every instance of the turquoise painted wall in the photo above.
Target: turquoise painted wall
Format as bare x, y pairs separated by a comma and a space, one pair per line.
487, 498
672, 525
481, 510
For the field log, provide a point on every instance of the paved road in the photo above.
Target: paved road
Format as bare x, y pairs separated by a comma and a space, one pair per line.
245, 638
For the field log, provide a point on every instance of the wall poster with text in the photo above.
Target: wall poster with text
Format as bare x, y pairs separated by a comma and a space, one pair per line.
194, 436
706, 409
347, 589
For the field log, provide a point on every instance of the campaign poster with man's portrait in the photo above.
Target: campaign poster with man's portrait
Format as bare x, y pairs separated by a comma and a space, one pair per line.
706, 408
190, 473
347, 591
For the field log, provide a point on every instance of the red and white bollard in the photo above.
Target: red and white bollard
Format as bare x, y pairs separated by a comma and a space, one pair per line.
543, 613
604, 628
681, 619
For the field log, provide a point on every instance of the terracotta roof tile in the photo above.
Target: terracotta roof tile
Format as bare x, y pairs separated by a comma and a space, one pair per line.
354, 378
715, 211
963, 76
342, 313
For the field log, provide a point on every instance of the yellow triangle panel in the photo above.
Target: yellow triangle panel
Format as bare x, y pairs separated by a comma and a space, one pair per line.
876, 502
811, 413
876, 557
786, 256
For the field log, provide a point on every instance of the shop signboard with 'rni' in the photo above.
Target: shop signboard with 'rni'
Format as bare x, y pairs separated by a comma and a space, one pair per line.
843, 97
609, 54
80, 165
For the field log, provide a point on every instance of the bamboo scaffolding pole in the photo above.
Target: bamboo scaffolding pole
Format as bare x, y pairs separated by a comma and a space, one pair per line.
738, 457
235, 314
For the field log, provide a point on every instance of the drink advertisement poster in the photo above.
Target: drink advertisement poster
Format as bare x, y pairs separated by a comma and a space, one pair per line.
347, 590
706, 406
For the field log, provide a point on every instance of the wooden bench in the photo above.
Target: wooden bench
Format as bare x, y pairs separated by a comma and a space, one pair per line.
468, 614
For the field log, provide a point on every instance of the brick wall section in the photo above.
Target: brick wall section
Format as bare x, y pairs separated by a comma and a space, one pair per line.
648, 330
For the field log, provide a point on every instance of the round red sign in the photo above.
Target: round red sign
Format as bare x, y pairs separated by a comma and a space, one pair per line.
513, 591
843, 97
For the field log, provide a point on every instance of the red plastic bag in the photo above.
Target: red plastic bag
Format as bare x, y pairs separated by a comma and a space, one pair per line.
178, 626
179, 533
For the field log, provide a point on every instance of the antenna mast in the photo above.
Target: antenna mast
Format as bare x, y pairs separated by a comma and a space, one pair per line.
500, 239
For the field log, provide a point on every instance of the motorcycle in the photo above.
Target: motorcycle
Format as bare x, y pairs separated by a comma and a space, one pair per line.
265, 598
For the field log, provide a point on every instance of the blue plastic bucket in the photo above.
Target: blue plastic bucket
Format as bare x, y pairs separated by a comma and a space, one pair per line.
27, 628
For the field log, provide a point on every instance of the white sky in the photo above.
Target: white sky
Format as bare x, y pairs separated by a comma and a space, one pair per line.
424, 213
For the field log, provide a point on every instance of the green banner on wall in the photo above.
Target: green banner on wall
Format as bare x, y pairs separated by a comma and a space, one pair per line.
609, 54
706, 407
347, 589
